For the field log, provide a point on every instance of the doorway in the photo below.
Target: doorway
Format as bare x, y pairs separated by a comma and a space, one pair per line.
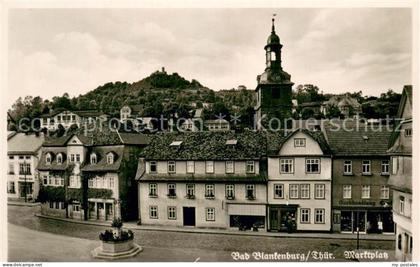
189, 216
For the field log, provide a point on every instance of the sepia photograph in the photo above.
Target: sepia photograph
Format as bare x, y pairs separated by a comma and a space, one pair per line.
199, 132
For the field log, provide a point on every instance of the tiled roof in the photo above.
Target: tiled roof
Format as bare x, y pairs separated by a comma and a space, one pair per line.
21, 143
101, 154
81, 113
98, 137
205, 146
54, 151
364, 140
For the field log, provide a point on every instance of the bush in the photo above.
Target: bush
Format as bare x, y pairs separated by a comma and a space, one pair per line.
108, 236
117, 222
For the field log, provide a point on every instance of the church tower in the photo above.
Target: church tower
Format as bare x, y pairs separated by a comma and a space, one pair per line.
274, 89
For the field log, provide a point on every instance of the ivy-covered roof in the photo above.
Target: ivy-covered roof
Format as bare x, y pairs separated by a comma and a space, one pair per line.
206, 146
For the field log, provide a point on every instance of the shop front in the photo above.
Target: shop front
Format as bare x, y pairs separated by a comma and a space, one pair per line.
282, 218
246, 217
364, 220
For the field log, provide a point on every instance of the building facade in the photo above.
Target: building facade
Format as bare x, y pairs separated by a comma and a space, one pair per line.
67, 118
203, 179
23, 151
90, 177
274, 89
299, 183
362, 199
401, 177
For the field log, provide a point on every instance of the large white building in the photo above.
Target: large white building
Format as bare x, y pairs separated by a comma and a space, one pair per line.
203, 179
23, 151
299, 183
67, 118
401, 177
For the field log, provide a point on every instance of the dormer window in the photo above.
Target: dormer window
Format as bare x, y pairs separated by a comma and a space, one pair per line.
110, 158
60, 158
48, 158
93, 159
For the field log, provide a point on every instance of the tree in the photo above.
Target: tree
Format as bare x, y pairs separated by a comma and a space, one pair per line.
333, 112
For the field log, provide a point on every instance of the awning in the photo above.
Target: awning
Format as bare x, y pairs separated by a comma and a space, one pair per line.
244, 209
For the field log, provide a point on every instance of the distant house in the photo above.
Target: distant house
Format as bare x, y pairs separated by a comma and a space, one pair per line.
130, 112
23, 151
192, 125
89, 176
348, 106
400, 150
312, 107
217, 125
67, 118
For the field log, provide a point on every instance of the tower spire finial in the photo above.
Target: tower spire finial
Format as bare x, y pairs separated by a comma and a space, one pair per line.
272, 26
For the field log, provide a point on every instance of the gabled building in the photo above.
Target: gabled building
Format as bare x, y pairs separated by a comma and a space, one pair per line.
89, 175
361, 199
203, 179
400, 150
217, 125
131, 112
23, 151
67, 118
299, 182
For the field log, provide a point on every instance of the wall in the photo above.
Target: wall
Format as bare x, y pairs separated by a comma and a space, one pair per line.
200, 203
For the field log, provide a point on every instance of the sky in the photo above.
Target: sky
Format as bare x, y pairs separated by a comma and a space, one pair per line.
53, 51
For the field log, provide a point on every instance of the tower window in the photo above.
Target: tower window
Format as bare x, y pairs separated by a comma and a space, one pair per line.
273, 56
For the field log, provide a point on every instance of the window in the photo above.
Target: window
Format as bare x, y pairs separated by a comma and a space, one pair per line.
93, 158
399, 242
366, 167
11, 168
190, 190
11, 157
319, 191
72, 158
402, 205
60, 158
77, 157
61, 181
385, 167
408, 132
51, 204
319, 216
57, 205
45, 179
273, 56
365, 191
294, 191
111, 182
250, 167
278, 191
11, 188
312, 165
153, 167
153, 212
90, 183
209, 166
230, 191
229, 167
171, 166
50, 180
210, 214
171, 190
110, 158
348, 167
384, 192
48, 158
25, 168
190, 166
153, 190
209, 191
286, 165
305, 215
300, 142
304, 191
394, 165
250, 191
172, 213
346, 191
